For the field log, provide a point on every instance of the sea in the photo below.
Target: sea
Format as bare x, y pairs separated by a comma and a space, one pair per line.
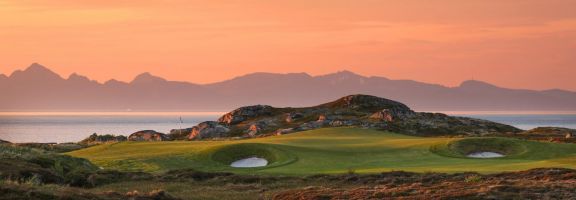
61, 127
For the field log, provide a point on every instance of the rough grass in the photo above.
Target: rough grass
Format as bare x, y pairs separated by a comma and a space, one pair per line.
329, 150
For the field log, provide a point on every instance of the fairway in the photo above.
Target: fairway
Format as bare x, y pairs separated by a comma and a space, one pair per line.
332, 150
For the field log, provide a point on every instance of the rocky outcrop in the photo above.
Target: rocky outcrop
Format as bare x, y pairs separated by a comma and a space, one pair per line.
383, 115
180, 134
148, 135
351, 111
552, 134
290, 117
245, 113
208, 129
367, 103
551, 131
100, 139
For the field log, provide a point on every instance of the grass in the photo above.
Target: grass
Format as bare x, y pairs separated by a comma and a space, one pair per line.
333, 150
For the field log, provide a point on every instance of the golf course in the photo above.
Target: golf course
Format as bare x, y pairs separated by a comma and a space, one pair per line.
333, 151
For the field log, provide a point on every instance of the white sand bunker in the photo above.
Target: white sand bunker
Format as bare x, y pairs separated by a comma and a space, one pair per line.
250, 162
485, 155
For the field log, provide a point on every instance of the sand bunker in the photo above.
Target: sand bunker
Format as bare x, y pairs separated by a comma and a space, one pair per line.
250, 162
485, 155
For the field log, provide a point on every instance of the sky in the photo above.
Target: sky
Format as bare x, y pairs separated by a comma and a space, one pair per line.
512, 43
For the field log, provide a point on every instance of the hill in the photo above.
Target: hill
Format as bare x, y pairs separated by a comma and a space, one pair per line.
363, 111
39, 89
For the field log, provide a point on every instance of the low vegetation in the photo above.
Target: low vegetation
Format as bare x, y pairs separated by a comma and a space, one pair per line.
329, 163
23, 164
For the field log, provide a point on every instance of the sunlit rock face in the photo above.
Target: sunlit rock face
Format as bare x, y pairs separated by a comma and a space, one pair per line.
148, 135
208, 129
245, 113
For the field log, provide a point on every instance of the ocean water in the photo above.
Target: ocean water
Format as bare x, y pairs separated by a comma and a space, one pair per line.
73, 127
529, 121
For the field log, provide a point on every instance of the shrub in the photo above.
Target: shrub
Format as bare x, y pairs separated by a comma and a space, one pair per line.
473, 179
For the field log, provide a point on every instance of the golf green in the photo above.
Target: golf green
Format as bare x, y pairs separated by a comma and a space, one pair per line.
333, 150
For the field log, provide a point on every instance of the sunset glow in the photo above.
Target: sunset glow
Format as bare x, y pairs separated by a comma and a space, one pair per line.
514, 43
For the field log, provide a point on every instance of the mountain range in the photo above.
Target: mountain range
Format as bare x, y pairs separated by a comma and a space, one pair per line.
37, 88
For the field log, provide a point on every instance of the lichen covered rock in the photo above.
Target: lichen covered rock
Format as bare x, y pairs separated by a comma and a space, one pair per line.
208, 129
148, 135
245, 113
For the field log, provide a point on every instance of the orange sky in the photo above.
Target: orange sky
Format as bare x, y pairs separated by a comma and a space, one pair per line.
512, 43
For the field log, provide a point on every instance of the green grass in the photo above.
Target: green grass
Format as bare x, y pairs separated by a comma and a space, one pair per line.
333, 150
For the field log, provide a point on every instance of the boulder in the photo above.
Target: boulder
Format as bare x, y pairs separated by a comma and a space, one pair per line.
180, 134
208, 129
310, 125
148, 135
283, 131
290, 117
336, 123
100, 139
245, 113
321, 118
253, 130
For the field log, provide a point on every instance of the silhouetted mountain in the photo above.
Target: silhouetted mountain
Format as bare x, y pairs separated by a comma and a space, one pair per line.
38, 88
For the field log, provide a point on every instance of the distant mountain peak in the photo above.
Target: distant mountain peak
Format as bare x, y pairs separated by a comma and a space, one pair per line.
146, 77
261, 74
476, 84
77, 77
112, 81
38, 68
344, 74
35, 71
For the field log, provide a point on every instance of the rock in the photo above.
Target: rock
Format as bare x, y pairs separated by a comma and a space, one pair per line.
4, 142
148, 135
283, 131
321, 118
383, 115
336, 123
180, 134
208, 129
311, 125
100, 139
245, 113
290, 117
253, 130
